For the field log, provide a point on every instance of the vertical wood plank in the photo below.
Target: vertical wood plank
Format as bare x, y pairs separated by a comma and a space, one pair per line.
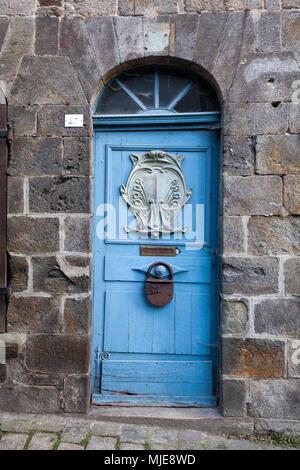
3, 215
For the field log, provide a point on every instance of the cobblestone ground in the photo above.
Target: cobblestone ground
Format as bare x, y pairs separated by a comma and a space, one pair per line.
32, 432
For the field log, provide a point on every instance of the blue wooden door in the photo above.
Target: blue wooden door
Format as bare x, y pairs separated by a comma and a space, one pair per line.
142, 353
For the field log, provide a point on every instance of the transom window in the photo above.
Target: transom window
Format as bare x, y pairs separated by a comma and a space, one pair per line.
157, 90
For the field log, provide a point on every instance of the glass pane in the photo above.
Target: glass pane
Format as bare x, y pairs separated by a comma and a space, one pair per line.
200, 98
141, 83
171, 83
114, 100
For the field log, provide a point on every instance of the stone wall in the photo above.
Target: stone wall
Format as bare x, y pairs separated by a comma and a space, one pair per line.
55, 56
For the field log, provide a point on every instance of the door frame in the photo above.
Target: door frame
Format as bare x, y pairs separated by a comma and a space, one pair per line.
3, 211
189, 121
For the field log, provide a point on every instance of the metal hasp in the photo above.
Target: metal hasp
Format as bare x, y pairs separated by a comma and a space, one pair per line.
159, 292
156, 193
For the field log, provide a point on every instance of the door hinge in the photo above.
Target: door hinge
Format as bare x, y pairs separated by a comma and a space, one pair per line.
5, 291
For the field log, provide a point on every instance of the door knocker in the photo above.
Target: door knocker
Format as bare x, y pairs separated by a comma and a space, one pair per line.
159, 292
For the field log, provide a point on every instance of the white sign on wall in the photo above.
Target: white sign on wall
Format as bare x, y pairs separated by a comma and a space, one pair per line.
74, 120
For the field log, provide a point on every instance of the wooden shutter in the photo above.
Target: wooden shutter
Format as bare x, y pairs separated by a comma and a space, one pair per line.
3, 214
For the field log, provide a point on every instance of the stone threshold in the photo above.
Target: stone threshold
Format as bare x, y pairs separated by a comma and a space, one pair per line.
13, 343
201, 419
205, 420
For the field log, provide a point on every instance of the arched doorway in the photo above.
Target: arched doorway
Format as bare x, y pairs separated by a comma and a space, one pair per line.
156, 203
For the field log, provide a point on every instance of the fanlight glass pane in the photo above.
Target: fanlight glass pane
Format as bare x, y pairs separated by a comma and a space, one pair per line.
199, 97
140, 82
161, 88
171, 83
115, 100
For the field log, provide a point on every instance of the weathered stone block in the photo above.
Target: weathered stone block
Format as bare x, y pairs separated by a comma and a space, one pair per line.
36, 156
33, 314
75, 43
155, 7
22, 119
17, 273
291, 31
275, 399
292, 276
249, 41
58, 354
77, 316
210, 36
238, 155
42, 441
290, 4
234, 398
295, 117
28, 235
294, 359
4, 23
229, 52
26, 399
46, 80
278, 317
234, 316
233, 235
51, 121
252, 195
91, 7
76, 160
273, 235
126, 7
272, 5
292, 193
265, 77
49, 276
234, 4
50, 11
256, 118
18, 42
156, 35
283, 426
102, 31
279, 155
46, 40
253, 357
77, 394
47, 3
77, 234
129, 32
250, 276
269, 32
184, 41
254, 4
61, 194
197, 6
13, 442
17, 7
78, 261
15, 195
42, 380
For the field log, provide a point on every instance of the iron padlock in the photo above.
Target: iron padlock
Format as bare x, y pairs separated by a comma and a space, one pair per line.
159, 292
